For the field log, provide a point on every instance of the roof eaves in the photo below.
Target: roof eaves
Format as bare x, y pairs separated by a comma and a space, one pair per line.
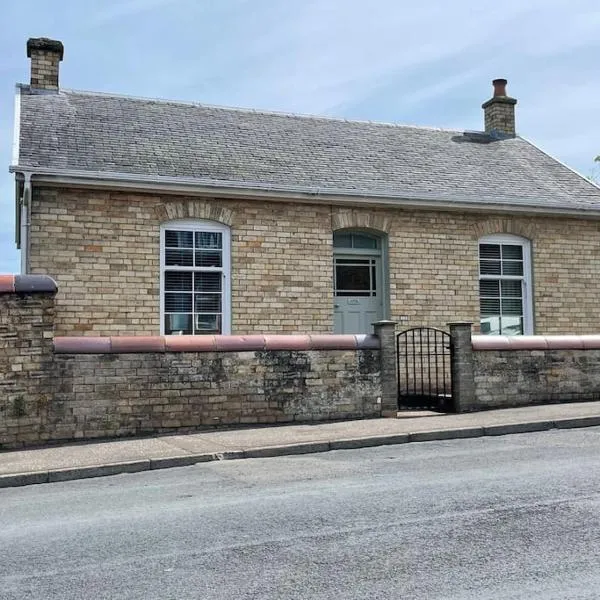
255, 189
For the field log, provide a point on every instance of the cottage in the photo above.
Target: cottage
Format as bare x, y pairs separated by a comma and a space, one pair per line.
159, 217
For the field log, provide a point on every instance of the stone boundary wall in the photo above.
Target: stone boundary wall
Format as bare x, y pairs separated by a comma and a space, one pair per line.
71, 388
528, 370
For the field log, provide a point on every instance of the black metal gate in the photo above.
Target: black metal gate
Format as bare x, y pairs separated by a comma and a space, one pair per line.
424, 369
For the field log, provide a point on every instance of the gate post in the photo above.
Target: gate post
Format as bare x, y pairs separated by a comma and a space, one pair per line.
386, 332
461, 359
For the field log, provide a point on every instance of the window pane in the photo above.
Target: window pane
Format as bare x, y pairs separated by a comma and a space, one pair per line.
512, 325
512, 306
179, 258
208, 258
178, 281
489, 287
489, 251
490, 326
207, 303
179, 239
178, 324
374, 279
512, 252
208, 324
512, 268
489, 267
512, 288
178, 302
352, 277
209, 239
489, 306
342, 240
364, 241
207, 282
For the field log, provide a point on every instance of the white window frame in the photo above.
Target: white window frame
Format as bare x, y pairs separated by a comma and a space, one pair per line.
199, 225
526, 278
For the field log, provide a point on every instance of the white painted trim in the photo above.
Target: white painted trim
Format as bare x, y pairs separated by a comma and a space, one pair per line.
16, 128
200, 225
506, 238
259, 191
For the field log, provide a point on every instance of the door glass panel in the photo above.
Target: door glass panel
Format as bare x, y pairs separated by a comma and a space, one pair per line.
353, 261
353, 278
364, 241
355, 240
342, 240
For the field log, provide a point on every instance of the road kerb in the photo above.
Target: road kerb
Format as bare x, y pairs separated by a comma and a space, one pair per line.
20, 479
72, 473
185, 460
573, 422
369, 442
509, 428
287, 450
445, 434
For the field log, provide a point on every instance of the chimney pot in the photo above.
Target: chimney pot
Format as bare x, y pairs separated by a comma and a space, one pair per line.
45, 55
499, 87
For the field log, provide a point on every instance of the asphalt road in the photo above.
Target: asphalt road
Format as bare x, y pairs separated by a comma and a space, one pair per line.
509, 517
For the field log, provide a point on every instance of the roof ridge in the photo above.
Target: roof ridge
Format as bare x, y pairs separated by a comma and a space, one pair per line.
277, 113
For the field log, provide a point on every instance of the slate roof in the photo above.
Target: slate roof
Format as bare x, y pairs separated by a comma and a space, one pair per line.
85, 131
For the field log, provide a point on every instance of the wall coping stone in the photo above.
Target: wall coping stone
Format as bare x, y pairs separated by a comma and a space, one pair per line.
27, 284
210, 343
536, 342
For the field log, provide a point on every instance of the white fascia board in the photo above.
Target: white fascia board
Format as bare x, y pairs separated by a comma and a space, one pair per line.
16, 127
219, 189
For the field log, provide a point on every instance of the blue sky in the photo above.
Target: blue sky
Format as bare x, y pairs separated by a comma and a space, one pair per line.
424, 63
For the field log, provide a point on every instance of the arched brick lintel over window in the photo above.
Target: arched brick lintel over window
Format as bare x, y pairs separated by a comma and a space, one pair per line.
194, 208
521, 227
360, 219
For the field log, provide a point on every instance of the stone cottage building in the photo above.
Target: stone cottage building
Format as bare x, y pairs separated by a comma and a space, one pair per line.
158, 217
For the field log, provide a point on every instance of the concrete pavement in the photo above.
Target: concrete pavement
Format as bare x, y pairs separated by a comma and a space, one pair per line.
95, 459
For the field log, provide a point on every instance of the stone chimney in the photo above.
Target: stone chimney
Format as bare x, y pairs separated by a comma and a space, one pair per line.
500, 112
45, 55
